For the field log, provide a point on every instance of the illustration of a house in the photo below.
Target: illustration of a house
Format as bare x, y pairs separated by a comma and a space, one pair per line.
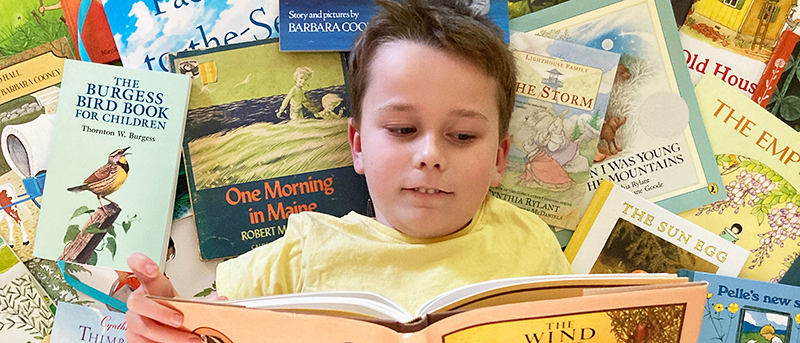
753, 24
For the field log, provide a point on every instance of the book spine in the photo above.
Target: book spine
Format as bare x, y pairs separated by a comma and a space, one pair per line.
589, 217
775, 66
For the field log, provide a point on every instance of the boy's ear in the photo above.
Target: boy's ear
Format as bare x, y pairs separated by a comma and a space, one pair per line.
355, 146
502, 157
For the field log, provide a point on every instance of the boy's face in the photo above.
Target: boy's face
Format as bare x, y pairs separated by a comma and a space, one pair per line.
428, 141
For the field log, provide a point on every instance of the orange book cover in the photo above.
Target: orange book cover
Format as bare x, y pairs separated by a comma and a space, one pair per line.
96, 34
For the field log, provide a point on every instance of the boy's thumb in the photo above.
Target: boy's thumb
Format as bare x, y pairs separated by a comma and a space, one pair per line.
153, 282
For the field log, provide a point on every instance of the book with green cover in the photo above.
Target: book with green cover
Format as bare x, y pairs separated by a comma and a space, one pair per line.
26, 314
758, 157
653, 142
113, 165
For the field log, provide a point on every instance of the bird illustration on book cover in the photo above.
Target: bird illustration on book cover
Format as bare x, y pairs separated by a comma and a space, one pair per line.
82, 245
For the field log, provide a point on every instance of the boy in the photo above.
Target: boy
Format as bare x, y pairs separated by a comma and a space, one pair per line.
296, 97
432, 90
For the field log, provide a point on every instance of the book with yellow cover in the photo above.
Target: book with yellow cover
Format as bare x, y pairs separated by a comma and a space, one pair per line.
622, 232
759, 159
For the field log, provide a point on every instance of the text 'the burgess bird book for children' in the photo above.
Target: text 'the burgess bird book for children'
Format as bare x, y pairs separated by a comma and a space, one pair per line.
265, 139
113, 165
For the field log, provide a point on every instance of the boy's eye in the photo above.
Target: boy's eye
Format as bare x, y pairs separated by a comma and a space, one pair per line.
403, 130
463, 136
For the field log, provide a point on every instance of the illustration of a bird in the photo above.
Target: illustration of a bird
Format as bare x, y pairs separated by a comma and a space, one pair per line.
108, 178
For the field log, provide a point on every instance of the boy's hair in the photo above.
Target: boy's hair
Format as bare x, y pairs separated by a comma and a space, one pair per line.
446, 25
767, 330
303, 71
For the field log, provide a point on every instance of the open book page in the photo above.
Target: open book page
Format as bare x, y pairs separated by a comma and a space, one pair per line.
363, 305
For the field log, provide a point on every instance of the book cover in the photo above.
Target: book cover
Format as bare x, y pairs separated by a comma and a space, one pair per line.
75, 323
147, 31
113, 165
29, 93
623, 233
23, 27
792, 276
736, 70
26, 314
262, 145
653, 141
748, 311
325, 25
88, 26
659, 313
779, 87
758, 157
562, 93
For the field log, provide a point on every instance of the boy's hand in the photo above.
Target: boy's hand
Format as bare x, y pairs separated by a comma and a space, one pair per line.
149, 321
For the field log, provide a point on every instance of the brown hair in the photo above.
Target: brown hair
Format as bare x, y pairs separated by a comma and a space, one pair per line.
449, 26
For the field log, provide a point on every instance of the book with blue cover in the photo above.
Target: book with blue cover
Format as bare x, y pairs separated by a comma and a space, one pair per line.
265, 139
748, 311
76, 323
324, 25
113, 165
653, 142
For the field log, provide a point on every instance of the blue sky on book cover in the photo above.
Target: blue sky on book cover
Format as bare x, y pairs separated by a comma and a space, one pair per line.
146, 31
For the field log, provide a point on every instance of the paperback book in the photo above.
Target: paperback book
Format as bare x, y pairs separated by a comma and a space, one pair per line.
147, 31
261, 145
113, 165
652, 141
736, 70
88, 27
758, 157
325, 25
624, 233
673, 310
562, 93
26, 314
745, 311
75, 323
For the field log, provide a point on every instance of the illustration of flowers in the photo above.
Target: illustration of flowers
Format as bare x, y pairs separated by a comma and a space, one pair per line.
720, 317
24, 308
769, 195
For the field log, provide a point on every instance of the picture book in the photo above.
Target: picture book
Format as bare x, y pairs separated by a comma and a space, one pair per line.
624, 233
736, 70
779, 87
759, 158
113, 165
26, 314
88, 27
261, 145
667, 312
24, 25
75, 323
28, 100
325, 25
652, 141
562, 93
147, 31
748, 311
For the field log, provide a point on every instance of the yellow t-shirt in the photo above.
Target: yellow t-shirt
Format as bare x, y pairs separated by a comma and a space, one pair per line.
320, 252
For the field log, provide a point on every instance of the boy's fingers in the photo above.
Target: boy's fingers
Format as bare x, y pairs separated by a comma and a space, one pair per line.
145, 330
146, 307
146, 270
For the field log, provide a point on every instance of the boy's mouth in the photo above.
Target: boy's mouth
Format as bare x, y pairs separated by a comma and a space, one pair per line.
428, 190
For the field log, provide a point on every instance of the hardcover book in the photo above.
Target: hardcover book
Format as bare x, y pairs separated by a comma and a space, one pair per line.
561, 98
75, 323
26, 315
23, 27
113, 165
745, 311
669, 312
262, 145
88, 26
758, 157
623, 233
652, 141
147, 31
736, 70
325, 25
779, 87
28, 100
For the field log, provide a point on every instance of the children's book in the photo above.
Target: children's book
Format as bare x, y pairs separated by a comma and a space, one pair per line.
147, 31
652, 141
325, 25
758, 157
113, 165
668, 312
736, 70
562, 93
88, 26
23, 26
29, 92
26, 314
75, 323
623, 233
779, 87
263, 140
748, 311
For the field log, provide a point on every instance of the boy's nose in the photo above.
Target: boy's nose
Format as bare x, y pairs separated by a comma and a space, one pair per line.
429, 153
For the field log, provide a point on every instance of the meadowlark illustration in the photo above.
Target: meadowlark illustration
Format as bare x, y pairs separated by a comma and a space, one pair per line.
108, 178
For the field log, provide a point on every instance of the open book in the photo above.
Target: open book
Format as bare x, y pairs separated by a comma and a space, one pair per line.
583, 305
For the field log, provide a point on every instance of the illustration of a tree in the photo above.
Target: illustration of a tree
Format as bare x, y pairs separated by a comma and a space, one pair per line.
47, 273
576, 132
93, 236
641, 249
660, 324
